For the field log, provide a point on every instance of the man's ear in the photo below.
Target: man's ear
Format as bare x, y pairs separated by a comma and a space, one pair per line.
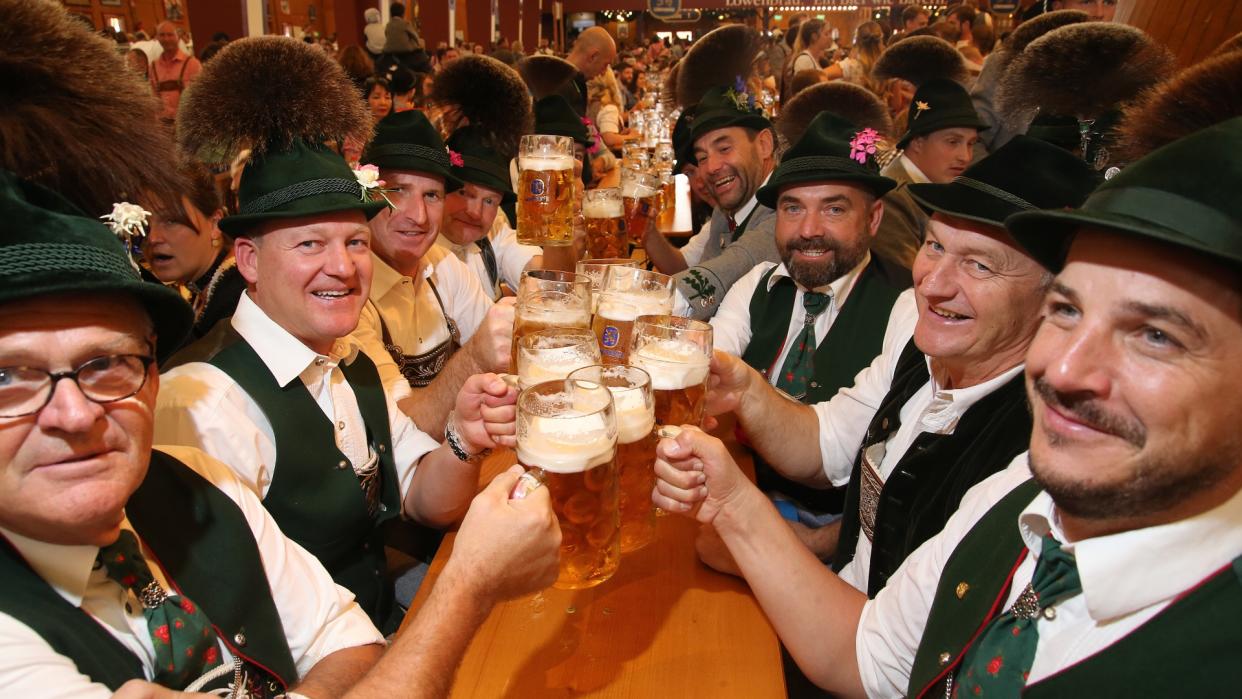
246, 252
877, 215
766, 143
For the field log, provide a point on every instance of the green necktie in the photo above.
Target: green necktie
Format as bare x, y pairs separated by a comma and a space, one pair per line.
800, 362
185, 643
998, 664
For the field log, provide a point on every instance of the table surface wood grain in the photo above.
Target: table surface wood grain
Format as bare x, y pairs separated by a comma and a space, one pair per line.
664, 625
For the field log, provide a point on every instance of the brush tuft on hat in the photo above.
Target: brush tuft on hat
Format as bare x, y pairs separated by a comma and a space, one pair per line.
487, 94
918, 59
851, 102
545, 75
716, 60
1200, 96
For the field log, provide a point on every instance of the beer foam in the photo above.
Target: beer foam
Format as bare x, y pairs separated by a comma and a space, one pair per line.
545, 162
552, 364
636, 190
571, 443
628, 306
672, 364
635, 416
603, 208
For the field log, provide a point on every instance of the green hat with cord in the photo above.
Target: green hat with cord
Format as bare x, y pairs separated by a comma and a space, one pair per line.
940, 104
1184, 194
304, 180
725, 107
473, 161
50, 247
831, 149
408, 141
1025, 174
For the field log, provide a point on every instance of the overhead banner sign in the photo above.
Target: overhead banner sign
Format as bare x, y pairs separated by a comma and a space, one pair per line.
664, 8
680, 16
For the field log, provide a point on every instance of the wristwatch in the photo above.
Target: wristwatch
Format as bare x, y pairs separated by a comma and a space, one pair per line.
457, 444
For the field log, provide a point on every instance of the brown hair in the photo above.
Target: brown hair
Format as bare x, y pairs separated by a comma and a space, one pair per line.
201, 191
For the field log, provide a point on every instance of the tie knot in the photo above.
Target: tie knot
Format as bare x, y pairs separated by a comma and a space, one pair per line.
1056, 573
815, 302
123, 562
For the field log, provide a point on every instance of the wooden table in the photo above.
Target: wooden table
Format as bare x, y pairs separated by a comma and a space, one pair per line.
664, 626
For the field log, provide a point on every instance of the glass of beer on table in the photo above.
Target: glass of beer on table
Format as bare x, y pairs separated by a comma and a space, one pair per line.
604, 217
640, 194
595, 268
567, 431
545, 196
636, 441
627, 294
676, 352
554, 353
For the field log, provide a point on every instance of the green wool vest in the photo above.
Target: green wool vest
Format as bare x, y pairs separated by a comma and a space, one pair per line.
1190, 649
315, 496
203, 544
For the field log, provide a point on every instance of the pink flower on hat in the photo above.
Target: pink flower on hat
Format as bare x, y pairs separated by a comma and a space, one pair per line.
455, 158
863, 145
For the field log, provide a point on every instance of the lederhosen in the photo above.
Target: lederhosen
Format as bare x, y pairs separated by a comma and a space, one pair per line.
926, 486
421, 369
206, 550
1189, 649
177, 85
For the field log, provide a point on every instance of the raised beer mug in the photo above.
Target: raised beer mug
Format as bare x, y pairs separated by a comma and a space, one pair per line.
537, 310
636, 443
568, 431
545, 196
595, 268
640, 195
627, 294
554, 353
677, 353
604, 218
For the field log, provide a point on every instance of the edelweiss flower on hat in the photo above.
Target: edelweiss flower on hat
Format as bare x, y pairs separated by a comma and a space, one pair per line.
128, 222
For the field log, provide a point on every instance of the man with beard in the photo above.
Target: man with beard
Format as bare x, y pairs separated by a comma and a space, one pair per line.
815, 319
1114, 570
941, 407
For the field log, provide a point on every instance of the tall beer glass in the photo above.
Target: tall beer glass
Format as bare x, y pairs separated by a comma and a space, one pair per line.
546, 190
554, 353
640, 193
596, 268
676, 352
628, 293
636, 442
538, 310
568, 430
605, 223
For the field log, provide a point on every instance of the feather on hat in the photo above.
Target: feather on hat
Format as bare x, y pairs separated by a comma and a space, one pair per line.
265, 93
75, 119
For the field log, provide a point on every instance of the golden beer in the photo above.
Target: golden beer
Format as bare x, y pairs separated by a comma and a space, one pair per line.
547, 309
568, 430
603, 213
554, 353
676, 352
545, 194
668, 206
614, 321
636, 441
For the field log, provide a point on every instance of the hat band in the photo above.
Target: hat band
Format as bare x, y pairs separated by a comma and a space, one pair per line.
995, 192
825, 162
38, 258
485, 166
301, 190
414, 150
1172, 211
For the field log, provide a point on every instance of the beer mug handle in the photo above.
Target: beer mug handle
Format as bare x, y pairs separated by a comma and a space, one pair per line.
526, 484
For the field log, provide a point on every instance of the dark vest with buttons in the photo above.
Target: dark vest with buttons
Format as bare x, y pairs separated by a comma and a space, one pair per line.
1190, 649
203, 544
930, 479
851, 343
314, 495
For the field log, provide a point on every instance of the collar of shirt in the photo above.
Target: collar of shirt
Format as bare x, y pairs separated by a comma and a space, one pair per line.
384, 277
178, 57
66, 568
283, 354
839, 288
1129, 571
741, 214
913, 170
947, 406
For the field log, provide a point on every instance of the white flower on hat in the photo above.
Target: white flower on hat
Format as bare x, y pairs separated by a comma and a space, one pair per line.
127, 221
369, 177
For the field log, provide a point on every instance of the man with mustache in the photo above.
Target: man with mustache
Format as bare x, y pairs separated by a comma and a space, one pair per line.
941, 407
815, 319
1105, 562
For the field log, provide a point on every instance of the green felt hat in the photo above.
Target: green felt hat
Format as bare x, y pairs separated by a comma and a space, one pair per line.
481, 165
1024, 174
683, 145
1185, 194
724, 107
49, 247
554, 116
940, 104
408, 141
305, 180
831, 149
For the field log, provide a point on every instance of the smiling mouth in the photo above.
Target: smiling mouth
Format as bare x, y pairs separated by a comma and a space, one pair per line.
948, 315
724, 182
331, 295
815, 254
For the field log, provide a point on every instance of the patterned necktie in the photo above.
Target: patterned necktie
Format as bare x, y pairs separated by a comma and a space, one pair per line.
800, 362
489, 260
185, 643
998, 664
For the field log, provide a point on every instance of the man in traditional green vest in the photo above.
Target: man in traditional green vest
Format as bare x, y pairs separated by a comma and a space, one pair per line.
132, 570
285, 395
941, 407
1108, 561
815, 319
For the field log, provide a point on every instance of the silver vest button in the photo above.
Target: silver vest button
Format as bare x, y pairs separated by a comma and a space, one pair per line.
342, 463
945, 658
239, 638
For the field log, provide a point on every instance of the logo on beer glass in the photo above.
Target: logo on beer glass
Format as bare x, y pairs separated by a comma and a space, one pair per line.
611, 337
538, 188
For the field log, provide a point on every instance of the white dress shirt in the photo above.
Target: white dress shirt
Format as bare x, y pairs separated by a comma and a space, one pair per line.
732, 328
512, 258
412, 314
1127, 578
319, 617
201, 406
913, 170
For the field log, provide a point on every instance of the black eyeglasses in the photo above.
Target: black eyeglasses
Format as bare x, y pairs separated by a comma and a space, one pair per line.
26, 390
